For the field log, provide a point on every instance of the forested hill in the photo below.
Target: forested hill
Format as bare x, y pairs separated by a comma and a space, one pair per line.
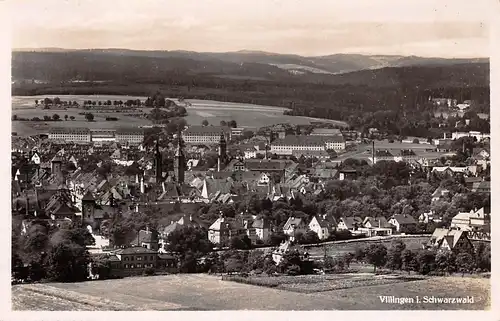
154, 66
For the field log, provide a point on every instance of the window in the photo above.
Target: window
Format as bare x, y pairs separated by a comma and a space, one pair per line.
139, 266
132, 266
152, 258
126, 266
139, 258
145, 258
126, 258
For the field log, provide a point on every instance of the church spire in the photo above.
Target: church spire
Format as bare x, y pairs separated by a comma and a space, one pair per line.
222, 151
158, 163
179, 162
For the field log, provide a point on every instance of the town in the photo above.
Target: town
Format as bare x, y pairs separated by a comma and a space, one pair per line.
98, 203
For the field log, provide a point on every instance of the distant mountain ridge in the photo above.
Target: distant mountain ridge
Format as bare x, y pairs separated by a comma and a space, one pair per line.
334, 64
60, 65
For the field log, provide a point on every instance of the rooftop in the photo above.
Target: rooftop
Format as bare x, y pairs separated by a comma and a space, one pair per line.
301, 140
205, 130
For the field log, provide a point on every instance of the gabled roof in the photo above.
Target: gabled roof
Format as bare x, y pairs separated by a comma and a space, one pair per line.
452, 236
88, 197
145, 236
57, 158
379, 221
135, 250
293, 221
322, 222
223, 223
404, 219
350, 221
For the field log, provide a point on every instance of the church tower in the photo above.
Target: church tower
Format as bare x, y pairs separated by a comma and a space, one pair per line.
179, 161
221, 159
88, 208
158, 163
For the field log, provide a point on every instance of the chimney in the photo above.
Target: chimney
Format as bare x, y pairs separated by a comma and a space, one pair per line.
379, 223
137, 208
190, 217
142, 185
137, 178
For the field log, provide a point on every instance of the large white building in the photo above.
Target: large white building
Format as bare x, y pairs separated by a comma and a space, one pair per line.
478, 135
209, 135
129, 135
291, 143
102, 135
86, 135
74, 134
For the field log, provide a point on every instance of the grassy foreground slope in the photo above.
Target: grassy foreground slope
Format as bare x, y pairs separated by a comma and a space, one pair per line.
203, 292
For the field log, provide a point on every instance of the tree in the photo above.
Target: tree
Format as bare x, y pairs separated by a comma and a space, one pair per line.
445, 261
36, 102
408, 261
56, 117
269, 266
394, 255
376, 254
14, 117
240, 243
66, 117
310, 237
89, 117
204, 122
232, 265
189, 239
360, 254
483, 256
223, 123
426, 261
465, 263
232, 124
72, 117
347, 258
57, 101
68, 262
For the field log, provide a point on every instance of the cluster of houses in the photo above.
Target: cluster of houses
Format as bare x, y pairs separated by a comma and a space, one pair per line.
44, 188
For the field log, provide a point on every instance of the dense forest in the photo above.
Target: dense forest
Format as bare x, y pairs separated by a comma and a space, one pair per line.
402, 93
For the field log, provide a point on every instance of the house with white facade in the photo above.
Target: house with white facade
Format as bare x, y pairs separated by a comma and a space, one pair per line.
376, 226
224, 229
321, 227
450, 240
293, 226
349, 224
403, 223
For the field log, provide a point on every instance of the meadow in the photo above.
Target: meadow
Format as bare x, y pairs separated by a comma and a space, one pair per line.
335, 249
205, 292
214, 112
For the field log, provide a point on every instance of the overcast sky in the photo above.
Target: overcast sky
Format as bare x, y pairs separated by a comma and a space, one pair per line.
445, 28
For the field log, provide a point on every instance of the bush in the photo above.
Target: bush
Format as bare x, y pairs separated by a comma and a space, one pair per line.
149, 271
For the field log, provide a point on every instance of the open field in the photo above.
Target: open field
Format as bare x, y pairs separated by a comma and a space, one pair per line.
246, 115
335, 249
31, 128
204, 292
